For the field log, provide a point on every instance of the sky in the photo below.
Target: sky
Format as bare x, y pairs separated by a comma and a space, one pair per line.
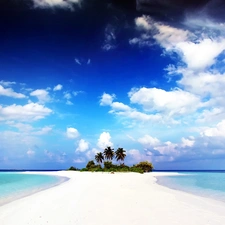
77, 76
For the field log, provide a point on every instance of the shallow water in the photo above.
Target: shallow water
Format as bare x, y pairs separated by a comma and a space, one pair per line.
14, 185
206, 184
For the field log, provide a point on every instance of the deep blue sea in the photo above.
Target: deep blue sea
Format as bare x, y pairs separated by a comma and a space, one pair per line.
14, 185
210, 184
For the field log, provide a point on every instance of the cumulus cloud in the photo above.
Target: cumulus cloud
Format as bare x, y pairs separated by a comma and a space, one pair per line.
28, 112
143, 23
82, 146
72, 133
148, 141
175, 102
202, 54
41, 94
58, 87
55, 3
9, 92
187, 142
107, 99
104, 140
117, 106
218, 130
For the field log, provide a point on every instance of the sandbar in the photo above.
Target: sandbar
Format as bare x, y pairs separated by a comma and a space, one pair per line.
96, 198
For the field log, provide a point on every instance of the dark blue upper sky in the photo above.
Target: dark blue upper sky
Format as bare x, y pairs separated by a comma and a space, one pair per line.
78, 75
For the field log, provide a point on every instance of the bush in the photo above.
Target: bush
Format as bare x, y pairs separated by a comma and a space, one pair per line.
83, 170
145, 166
90, 165
96, 168
109, 165
73, 168
124, 169
136, 169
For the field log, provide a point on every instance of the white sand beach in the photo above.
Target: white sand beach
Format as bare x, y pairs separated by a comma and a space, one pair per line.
112, 199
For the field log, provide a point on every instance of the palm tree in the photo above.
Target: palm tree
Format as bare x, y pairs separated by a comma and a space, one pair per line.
99, 157
109, 153
120, 154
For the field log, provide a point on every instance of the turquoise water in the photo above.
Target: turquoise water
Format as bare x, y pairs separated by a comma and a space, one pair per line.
14, 185
206, 184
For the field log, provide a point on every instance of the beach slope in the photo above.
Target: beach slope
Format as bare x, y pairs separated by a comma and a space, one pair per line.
112, 199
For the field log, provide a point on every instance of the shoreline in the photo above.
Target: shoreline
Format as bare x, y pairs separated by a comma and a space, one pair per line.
109, 199
33, 189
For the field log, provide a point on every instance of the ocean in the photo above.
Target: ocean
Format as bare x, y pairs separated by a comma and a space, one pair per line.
14, 185
210, 184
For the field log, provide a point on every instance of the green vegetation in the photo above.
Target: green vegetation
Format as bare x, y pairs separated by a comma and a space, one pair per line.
106, 158
73, 168
145, 166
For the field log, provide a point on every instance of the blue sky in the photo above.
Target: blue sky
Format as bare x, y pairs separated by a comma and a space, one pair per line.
77, 76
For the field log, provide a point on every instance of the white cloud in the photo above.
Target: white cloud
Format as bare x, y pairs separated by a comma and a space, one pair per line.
149, 141
72, 133
75, 93
202, 54
68, 102
203, 23
28, 112
58, 87
168, 37
107, 99
168, 149
22, 127
219, 130
143, 23
175, 102
135, 156
55, 3
196, 51
9, 92
7, 83
139, 116
67, 95
104, 140
30, 152
142, 41
91, 154
82, 146
41, 94
203, 83
187, 142
43, 131
119, 106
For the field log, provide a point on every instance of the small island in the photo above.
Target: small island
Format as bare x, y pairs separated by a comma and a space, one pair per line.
105, 164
